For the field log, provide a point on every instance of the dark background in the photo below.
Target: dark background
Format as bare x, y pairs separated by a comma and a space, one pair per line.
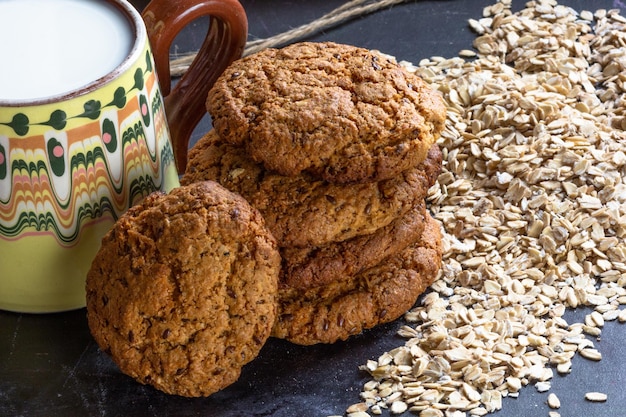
50, 366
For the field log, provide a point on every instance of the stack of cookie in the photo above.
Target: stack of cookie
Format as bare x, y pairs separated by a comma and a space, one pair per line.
335, 146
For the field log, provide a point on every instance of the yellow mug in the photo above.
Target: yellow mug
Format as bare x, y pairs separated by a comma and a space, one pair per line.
83, 129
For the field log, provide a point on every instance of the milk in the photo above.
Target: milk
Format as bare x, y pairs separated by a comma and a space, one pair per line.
51, 47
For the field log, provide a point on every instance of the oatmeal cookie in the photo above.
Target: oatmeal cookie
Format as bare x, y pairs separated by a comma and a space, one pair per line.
314, 266
302, 211
378, 295
339, 112
182, 293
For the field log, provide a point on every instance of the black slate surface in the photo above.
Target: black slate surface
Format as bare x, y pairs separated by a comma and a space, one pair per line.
50, 366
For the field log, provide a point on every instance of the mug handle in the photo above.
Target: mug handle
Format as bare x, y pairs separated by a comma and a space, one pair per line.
224, 43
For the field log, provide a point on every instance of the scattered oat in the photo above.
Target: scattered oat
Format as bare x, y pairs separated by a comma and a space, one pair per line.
359, 407
532, 205
596, 396
592, 354
543, 386
359, 414
467, 53
431, 412
553, 401
398, 407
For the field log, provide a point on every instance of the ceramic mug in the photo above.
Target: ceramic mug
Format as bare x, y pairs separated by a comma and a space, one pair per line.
83, 129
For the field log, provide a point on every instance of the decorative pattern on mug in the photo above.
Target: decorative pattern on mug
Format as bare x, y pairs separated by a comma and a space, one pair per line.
79, 171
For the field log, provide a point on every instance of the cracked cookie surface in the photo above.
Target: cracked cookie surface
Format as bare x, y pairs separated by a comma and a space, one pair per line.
339, 112
338, 261
302, 211
182, 293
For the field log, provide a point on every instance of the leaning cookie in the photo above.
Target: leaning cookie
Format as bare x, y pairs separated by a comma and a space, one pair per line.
302, 211
339, 112
182, 293
378, 295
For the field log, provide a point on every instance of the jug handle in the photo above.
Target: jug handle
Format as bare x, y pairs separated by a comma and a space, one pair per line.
224, 43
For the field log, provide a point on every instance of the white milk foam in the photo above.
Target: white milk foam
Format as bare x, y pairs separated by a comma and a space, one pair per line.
51, 47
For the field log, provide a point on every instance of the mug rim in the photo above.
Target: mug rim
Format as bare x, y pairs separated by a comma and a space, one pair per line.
140, 36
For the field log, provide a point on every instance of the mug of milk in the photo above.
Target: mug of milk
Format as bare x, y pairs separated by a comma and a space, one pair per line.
87, 130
